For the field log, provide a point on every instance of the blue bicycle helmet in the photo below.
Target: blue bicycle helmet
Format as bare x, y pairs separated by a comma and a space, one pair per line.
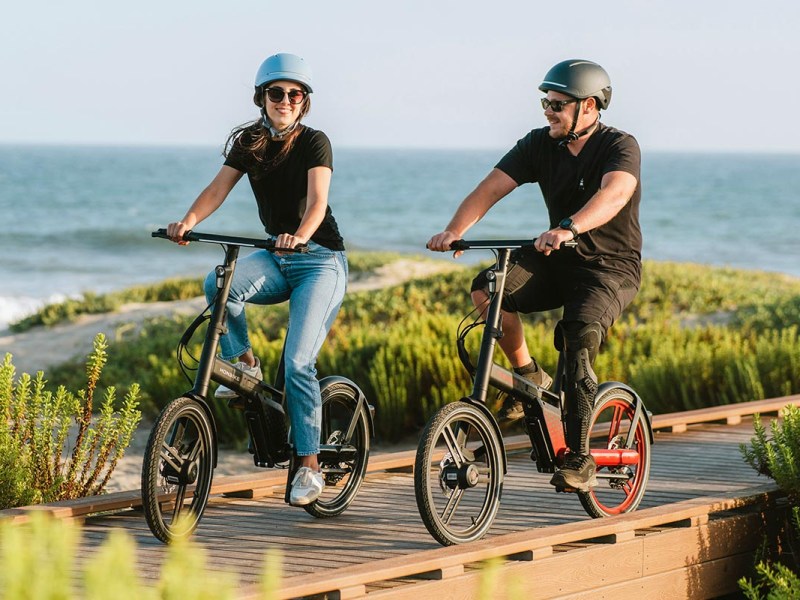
286, 67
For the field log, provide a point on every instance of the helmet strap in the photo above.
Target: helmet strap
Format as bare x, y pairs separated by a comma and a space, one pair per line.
572, 136
276, 134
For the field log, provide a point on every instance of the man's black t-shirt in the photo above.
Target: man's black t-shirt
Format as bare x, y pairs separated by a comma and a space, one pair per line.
281, 189
568, 182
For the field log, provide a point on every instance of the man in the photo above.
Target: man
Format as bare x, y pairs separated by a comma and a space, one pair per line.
589, 176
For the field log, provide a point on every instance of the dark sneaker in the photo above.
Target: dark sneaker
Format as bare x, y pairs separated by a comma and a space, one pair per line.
577, 474
512, 408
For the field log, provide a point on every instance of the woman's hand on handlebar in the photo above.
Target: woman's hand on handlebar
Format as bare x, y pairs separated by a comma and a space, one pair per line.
441, 243
287, 240
176, 231
552, 239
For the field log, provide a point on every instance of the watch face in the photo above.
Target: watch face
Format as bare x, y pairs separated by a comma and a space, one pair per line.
566, 223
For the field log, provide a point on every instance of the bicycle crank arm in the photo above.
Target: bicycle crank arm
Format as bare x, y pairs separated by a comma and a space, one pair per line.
336, 453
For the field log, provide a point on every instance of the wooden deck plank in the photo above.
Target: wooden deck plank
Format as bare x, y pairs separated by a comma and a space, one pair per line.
383, 522
373, 542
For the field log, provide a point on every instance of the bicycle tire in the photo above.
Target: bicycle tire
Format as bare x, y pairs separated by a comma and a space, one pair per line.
614, 409
177, 469
458, 502
343, 478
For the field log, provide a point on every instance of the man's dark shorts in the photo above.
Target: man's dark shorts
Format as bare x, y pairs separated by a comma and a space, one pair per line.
587, 292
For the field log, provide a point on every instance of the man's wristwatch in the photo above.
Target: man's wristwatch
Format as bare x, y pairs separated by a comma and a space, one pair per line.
568, 224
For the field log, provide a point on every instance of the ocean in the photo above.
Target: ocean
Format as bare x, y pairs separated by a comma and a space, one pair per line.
77, 219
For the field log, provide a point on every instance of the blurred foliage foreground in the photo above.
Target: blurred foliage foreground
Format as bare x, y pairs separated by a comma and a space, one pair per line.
42, 560
695, 336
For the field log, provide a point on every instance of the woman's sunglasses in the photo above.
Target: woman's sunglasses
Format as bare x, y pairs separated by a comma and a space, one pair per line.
557, 105
276, 94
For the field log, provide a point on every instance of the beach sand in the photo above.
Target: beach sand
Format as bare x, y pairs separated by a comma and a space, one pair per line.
41, 348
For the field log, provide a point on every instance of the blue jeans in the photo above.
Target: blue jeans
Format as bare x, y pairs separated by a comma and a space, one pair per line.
314, 283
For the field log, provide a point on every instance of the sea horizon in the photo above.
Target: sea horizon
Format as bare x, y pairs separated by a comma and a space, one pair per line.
78, 218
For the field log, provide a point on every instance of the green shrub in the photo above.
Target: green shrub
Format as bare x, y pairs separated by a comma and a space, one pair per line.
774, 582
364, 262
91, 303
37, 430
777, 456
16, 478
695, 336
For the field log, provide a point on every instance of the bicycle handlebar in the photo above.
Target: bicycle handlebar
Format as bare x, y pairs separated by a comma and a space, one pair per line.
213, 238
500, 244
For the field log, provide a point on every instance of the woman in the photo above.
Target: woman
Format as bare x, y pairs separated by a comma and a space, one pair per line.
289, 166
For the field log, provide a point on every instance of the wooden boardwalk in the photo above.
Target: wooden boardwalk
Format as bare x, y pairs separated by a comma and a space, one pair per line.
382, 526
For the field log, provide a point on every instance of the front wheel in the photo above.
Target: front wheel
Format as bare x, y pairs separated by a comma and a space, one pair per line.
458, 474
619, 488
177, 469
344, 449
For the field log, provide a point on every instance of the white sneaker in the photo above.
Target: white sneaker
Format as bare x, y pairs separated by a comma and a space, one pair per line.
254, 371
307, 485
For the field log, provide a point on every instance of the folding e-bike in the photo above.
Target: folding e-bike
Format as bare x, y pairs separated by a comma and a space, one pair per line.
461, 460
181, 453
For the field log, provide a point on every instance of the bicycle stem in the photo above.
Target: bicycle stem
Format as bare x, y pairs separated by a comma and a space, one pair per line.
216, 327
492, 331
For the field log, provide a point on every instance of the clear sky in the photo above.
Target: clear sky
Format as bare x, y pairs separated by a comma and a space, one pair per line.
700, 75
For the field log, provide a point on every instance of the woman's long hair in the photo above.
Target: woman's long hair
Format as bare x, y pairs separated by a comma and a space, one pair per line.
258, 138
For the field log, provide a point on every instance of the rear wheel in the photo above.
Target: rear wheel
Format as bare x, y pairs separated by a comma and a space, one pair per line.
345, 427
458, 474
619, 489
177, 469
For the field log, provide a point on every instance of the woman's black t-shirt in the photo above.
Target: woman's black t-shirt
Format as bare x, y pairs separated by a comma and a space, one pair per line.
281, 188
568, 182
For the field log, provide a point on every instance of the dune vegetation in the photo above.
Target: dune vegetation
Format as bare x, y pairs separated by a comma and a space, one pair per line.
695, 336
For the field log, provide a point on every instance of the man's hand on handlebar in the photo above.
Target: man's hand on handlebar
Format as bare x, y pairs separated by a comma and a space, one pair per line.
552, 239
441, 243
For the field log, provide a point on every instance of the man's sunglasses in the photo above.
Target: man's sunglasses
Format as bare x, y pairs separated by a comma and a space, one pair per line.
557, 105
276, 94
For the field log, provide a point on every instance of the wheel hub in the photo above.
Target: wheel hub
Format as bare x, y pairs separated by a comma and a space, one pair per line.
464, 477
186, 476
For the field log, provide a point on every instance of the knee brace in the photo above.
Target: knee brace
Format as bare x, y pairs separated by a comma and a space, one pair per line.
581, 342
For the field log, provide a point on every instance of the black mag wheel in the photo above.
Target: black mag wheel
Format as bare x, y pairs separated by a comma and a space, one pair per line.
341, 412
619, 489
177, 469
458, 474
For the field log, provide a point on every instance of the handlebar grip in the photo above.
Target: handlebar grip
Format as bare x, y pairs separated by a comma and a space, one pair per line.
194, 236
161, 232
498, 244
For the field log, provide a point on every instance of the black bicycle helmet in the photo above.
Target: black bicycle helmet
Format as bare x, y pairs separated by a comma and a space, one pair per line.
579, 79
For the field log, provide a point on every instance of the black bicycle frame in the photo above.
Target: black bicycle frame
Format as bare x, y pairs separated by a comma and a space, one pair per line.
263, 403
543, 408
